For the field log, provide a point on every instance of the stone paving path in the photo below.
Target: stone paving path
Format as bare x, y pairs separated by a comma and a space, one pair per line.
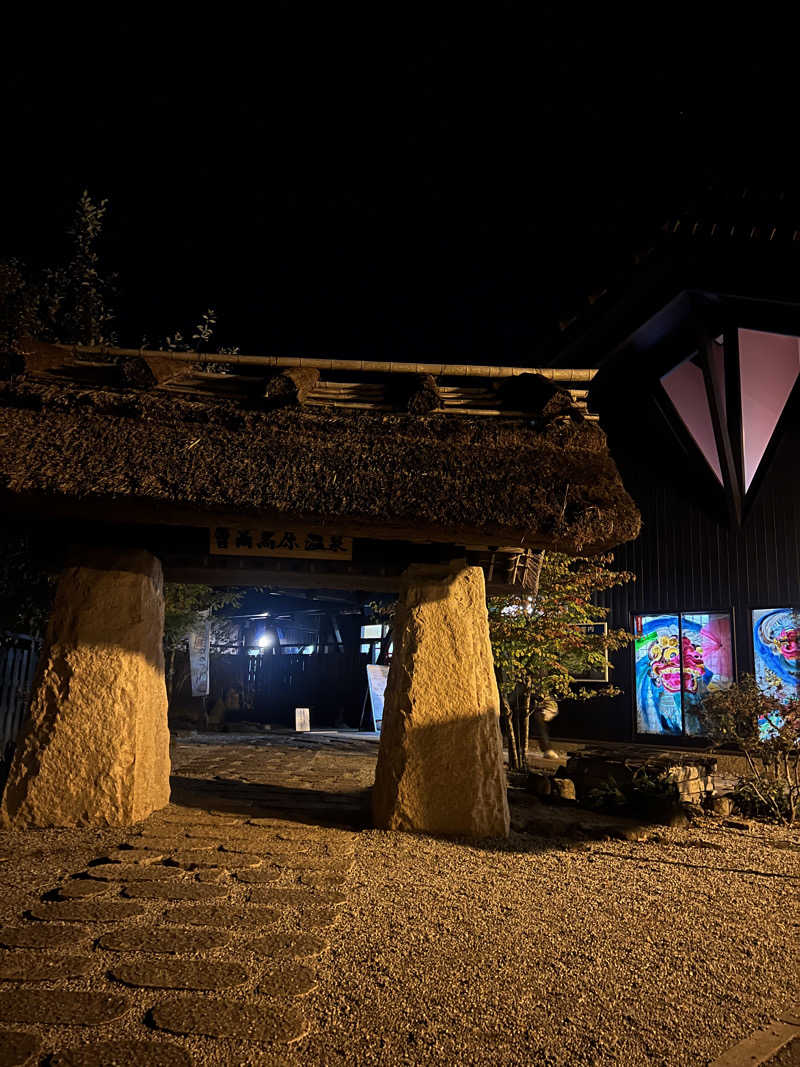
195, 937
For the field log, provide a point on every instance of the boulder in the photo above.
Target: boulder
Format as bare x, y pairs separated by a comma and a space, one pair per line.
95, 749
722, 805
440, 764
563, 788
539, 784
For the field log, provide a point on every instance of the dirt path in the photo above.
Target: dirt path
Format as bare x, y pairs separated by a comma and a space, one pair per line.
532, 951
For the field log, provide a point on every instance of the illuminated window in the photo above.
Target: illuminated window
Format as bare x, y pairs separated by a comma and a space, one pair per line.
678, 659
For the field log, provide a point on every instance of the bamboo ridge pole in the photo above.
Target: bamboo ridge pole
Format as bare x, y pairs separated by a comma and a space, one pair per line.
461, 370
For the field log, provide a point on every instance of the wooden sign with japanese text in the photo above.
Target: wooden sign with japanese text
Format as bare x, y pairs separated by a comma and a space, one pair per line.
300, 543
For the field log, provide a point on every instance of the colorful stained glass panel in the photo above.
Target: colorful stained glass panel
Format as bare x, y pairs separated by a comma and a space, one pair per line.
776, 648
678, 659
707, 661
658, 674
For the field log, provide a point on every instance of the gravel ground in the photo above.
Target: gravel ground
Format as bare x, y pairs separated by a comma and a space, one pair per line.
533, 951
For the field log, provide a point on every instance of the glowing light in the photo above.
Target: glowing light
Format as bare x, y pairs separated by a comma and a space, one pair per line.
264, 641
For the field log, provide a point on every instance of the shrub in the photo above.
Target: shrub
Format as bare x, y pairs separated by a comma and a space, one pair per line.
767, 732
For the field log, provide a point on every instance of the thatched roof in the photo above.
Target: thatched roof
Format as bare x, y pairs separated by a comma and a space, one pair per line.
542, 476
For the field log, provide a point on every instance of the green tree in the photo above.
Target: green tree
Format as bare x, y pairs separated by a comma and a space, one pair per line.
74, 296
20, 298
185, 606
540, 636
27, 585
68, 302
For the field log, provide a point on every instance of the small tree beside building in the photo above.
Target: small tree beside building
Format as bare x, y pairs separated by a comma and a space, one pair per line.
540, 636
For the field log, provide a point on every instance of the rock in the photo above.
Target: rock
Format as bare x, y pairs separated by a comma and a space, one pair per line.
736, 824
265, 874
18, 1049
80, 888
163, 940
722, 806
296, 897
440, 762
133, 872
56, 1007
36, 967
539, 785
123, 1054
173, 891
563, 789
227, 861
91, 911
36, 935
221, 915
282, 946
180, 974
231, 1019
288, 980
95, 750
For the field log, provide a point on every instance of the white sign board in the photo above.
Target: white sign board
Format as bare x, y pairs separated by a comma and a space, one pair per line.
302, 720
376, 680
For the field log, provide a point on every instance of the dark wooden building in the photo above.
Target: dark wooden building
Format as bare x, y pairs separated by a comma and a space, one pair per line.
698, 356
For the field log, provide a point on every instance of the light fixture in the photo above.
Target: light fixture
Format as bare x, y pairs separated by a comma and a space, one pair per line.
264, 641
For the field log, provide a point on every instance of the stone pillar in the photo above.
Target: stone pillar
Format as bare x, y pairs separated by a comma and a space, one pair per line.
95, 750
440, 763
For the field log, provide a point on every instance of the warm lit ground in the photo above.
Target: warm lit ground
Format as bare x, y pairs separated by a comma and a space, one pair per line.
539, 950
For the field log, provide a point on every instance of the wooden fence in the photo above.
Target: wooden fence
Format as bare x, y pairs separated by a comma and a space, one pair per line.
18, 654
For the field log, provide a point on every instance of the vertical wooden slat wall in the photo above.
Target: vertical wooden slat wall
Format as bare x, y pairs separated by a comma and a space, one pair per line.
17, 666
691, 557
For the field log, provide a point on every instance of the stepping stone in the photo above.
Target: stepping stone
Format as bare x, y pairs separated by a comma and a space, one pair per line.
136, 855
220, 915
229, 861
38, 967
244, 844
259, 876
289, 980
160, 940
131, 872
212, 875
88, 911
165, 845
174, 891
55, 1007
123, 1054
231, 1018
78, 888
318, 918
216, 834
324, 879
296, 897
37, 936
280, 852
180, 974
289, 946
18, 1049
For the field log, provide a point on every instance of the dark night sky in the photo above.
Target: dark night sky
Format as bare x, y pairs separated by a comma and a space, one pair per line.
399, 187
